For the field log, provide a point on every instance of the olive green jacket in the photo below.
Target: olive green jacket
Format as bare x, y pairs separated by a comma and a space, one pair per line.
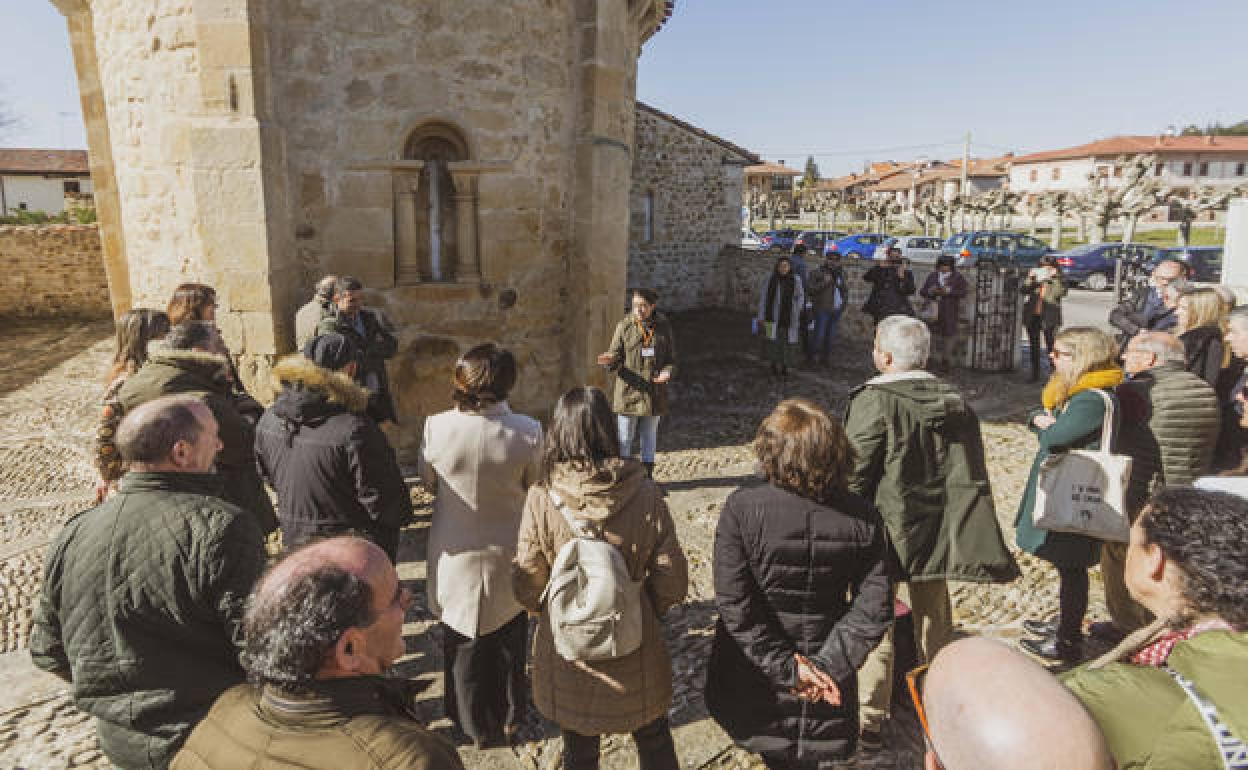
921, 461
1149, 721
189, 372
1050, 307
635, 391
359, 722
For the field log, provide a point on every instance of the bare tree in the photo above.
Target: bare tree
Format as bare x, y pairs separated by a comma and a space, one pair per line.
1202, 199
1061, 203
1033, 207
1103, 202
1136, 203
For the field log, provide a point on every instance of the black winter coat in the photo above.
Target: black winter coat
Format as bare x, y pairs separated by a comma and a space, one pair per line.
142, 606
332, 468
1203, 352
377, 344
793, 576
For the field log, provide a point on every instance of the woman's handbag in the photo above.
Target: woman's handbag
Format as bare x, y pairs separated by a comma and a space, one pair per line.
1083, 491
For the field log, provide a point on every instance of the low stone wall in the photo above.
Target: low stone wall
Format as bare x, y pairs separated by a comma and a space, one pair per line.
52, 271
745, 270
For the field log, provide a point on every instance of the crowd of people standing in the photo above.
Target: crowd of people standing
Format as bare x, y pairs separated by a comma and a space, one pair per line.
200, 636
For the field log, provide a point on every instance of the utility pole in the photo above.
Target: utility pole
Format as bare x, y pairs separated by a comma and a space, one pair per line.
966, 162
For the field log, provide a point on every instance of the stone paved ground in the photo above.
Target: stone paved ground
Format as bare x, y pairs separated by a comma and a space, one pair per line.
50, 379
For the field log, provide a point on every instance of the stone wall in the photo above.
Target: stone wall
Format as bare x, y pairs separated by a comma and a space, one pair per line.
747, 270
687, 184
52, 271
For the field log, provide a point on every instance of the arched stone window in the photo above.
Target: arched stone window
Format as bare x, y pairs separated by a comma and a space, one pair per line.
435, 208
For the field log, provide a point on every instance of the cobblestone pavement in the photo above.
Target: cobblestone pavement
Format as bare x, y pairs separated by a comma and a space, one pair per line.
49, 382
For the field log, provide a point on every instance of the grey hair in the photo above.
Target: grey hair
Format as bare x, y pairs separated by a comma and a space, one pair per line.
291, 628
907, 339
1166, 346
149, 433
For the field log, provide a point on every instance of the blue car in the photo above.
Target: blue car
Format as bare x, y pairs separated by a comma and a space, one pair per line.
780, 240
860, 246
1204, 263
1093, 264
976, 246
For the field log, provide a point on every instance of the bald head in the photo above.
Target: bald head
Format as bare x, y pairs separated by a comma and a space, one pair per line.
353, 555
172, 433
992, 708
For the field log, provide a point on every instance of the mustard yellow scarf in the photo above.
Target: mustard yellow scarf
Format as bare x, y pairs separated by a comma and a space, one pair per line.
1055, 393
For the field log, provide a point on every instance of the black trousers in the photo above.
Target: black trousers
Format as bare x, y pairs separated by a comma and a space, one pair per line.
485, 688
1072, 596
655, 748
1034, 325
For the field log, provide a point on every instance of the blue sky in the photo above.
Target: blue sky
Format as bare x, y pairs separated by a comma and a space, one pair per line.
847, 80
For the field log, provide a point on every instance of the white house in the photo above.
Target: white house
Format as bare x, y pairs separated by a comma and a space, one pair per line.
1183, 163
40, 180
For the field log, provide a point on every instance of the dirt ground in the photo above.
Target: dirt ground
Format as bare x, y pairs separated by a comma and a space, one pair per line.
50, 380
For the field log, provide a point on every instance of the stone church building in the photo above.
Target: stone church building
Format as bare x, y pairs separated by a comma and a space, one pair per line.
469, 160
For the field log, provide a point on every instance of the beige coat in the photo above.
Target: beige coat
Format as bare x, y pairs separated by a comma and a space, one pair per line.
612, 696
478, 464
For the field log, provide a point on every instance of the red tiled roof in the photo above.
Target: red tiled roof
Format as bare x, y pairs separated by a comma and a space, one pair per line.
727, 145
1132, 145
26, 161
775, 169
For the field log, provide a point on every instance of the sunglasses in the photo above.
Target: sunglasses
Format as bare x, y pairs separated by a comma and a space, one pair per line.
914, 682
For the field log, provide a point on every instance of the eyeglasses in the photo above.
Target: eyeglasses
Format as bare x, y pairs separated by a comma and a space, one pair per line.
1061, 354
913, 682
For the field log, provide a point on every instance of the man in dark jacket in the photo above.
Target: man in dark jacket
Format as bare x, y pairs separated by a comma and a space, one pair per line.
332, 467
371, 333
322, 629
142, 600
921, 460
1169, 429
1146, 309
191, 360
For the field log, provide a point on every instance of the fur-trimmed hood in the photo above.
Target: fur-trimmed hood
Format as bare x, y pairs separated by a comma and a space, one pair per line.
296, 373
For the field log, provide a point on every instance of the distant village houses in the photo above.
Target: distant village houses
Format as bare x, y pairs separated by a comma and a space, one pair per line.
43, 180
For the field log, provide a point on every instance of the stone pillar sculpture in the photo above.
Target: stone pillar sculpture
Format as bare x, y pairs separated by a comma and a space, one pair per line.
468, 266
406, 188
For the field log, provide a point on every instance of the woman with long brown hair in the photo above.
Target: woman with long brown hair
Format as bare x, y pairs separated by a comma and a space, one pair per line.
135, 330
478, 460
584, 480
1085, 361
803, 594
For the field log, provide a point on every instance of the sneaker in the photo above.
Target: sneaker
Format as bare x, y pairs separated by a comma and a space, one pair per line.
1054, 649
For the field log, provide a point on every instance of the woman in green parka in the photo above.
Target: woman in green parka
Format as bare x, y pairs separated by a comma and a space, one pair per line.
1085, 360
643, 357
1185, 562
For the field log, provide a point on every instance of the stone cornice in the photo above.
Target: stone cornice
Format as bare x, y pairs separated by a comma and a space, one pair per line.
71, 7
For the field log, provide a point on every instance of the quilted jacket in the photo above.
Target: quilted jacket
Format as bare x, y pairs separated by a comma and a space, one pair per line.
141, 610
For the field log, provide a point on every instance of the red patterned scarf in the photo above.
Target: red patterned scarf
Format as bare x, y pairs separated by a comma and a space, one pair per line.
1157, 653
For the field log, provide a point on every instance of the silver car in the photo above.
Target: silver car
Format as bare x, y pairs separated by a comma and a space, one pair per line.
916, 248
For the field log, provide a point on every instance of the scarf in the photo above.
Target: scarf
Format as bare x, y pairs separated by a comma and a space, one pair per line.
1055, 393
1157, 653
784, 285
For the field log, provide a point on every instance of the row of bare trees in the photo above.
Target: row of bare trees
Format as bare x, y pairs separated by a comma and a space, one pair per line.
1095, 209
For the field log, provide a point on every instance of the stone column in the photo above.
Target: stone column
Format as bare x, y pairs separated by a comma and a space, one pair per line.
468, 266
406, 188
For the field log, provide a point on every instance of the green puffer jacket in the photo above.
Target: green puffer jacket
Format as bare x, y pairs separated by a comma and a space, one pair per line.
357, 722
142, 606
168, 372
921, 460
1170, 422
1149, 721
635, 391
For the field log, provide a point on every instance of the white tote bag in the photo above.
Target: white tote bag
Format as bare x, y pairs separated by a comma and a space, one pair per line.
1084, 491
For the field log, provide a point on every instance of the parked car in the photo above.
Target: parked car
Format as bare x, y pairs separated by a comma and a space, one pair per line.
750, 240
1204, 263
780, 240
976, 246
1093, 264
916, 248
814, 240
860, 246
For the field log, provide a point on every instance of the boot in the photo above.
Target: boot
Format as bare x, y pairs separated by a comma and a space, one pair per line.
1055, 648
649, 470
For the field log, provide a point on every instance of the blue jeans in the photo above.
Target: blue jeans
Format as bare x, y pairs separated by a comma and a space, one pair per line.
825, 331
649, 435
